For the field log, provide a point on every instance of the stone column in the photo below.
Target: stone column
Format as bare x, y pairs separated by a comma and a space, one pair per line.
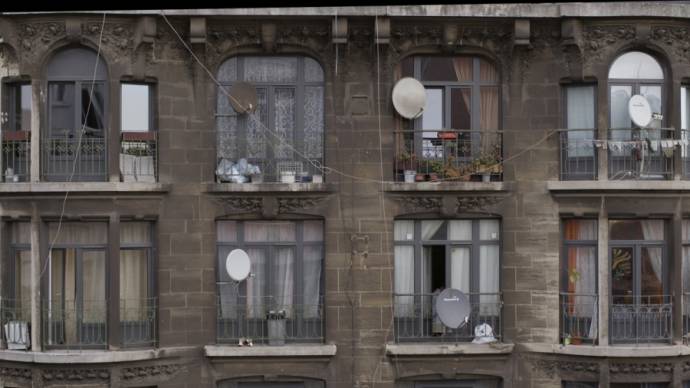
676, 267
36, 269
603, 274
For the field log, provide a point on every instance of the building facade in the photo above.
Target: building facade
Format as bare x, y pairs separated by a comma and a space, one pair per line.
130, 170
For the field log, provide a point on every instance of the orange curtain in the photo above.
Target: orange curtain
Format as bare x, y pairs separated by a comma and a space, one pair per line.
572, 232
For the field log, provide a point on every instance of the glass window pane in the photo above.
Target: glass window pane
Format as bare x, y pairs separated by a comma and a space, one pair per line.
488, 109
650, 230
460, 101
61, 112
20, 232
134, 284
255, 137
404, 281
284, 119
460, 230
226, 231
135, 108
635, 65
620, 94
653, 95
434, 230
488, 280
460, 268
93, 108
22, 278
227, 72
686, 230
269, 231
651, 275
407, 67
311, 278
313, 121
580, 229
433, 111
270, 69
283, 280
93, 286
255, 284
684, 111
19, 109
312, 70
487, 71
313, 231
135, 232
580, 107
581, 270
446, 69
404, 230
488, 230
79, 232
622, 275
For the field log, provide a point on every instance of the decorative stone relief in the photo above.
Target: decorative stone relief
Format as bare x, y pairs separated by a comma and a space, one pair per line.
222, 37
117, 36
598, 38
677, 38
362, 35
242, 204
477, 202
142, 372
315, 36
419, 204
35, 38
75, 375
551, 367
288, 205
632, 368
17, 373
167, 45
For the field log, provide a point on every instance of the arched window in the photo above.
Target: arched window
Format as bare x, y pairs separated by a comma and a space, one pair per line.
77, 98
461, 118
285, 133
633, 73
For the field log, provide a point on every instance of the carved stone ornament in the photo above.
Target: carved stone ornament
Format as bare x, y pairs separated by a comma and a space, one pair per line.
677, 38
288, 205
315, 36
16, 373
143, 372
242, 204
119, 37
551, 367
35, 38
598, 38
494, 37
75, 375
419, 203
647, 368
476, 203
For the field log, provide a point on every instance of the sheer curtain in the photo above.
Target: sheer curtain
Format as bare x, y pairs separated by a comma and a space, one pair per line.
134, 273
403, 230
654, 230
311, 268
580, 115
284, 280
463, 68
582, 269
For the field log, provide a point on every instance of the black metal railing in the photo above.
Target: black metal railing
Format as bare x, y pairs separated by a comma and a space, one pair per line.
74, 324
448, 155
138, 322
640, 153
15, 323
16, 156
685, 152
641, 319
139, 156
578, 154
579, 318
416, 319
268, 320
64, 159
257, 170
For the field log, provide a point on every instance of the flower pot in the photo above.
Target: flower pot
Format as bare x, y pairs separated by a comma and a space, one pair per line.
287, 177
576, 341
410, 176
433, 177
420, 177
276, 331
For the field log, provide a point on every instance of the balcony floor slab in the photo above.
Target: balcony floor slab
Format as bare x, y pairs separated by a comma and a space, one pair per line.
627, 351
427, 349
326, 350
92, 356
82, 187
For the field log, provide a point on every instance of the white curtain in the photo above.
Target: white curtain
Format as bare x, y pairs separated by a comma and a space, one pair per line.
256, 283
284, 280
311, 267
430, 228
404, 281
488, 280
93, 282
580, 112
133, 284
654, 230
460, 230
460, 268
79, 232
403, 230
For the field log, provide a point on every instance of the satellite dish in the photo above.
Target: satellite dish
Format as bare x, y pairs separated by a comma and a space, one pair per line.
639, 110
237, 264
243, 97
409, 98
453, 308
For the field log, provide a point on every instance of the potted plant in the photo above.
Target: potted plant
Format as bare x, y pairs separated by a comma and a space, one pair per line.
452, 171
488, 162
436, 170
276, 326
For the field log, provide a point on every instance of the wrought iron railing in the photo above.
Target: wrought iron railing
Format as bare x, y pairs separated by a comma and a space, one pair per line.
641, 319
686, 317
139, 156
74, 324
64, 159
15, 315
685, 152
416, 319
138, 322
16, 156
267, 320
293, 170
640, 153
448, 155
579, 318
578, 154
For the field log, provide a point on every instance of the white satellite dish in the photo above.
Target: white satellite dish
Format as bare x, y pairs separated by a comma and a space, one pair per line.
639, 110
453, 308
237, 265
409, 98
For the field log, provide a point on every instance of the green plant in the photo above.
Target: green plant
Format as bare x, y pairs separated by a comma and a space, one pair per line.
573, 275
436, 166
488, 160
137, 151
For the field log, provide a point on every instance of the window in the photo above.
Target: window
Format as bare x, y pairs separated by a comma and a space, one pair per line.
16, 131
16, 290
639, 385
639, 280
138, 153
75, 102
137, 292
633, 73
75, 307
579, 280
285, 133
16, 106
286, 265
460, 122
431, 255
577, 146
685, 126
577, 384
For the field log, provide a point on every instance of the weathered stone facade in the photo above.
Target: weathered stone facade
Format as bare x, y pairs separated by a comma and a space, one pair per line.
537, 51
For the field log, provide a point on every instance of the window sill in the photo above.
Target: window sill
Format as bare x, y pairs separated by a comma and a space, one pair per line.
427, 349
82, 187
88, 356
628, 351
448, 186
327, 350
597, 187
219, 188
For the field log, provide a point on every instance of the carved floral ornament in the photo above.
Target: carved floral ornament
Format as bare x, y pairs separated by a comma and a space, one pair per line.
151, 371
75, 375
646, 368
16, 373
256, 204
552, 367
677, 38
599, 38
461, 204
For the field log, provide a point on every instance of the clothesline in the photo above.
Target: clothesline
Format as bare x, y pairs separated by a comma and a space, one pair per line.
666, 146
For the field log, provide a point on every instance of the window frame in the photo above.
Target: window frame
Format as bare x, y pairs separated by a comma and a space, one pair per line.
9, 104
566, 244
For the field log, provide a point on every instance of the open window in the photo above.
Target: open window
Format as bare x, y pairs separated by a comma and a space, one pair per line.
15, 304
16, 131
138, 137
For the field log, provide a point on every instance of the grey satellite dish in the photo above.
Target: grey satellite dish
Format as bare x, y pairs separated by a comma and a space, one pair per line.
243, 97
409, 98
237, 265
639, 110
453, 308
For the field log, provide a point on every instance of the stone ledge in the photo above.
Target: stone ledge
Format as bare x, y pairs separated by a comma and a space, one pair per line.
82, 187
90, 356
220, 188
627, 351
327, 350
448, 186
627, 186
447, 349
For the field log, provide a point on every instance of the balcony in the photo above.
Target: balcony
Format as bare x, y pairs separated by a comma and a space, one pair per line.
267, 321
74, 324
641, 154
69, 159
138, 322
641, 319
578, 155
16, 156
266, 170
139, 156
15, 318
416, 319
579, 318
448, 155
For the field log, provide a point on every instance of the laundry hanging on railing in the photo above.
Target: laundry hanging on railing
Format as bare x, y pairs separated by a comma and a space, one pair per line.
666, 146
